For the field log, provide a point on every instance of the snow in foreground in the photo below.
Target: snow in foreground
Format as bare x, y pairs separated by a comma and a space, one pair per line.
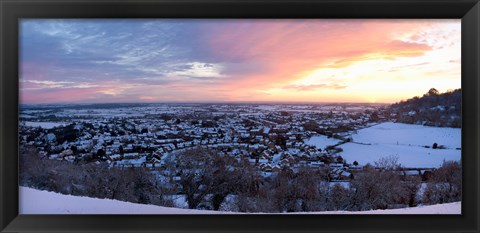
405, 141
34, 201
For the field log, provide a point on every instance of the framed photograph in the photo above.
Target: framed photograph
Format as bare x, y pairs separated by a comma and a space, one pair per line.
239, 116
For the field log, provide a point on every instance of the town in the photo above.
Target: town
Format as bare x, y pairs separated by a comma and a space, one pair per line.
268, 136
194, 151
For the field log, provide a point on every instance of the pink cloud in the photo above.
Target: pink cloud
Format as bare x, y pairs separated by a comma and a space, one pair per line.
288, 47
253, 56
33, 71
64, 95
53, 96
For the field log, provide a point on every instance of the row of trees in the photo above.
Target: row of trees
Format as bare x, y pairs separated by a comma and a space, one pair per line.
90, 179
209, 180
433, 109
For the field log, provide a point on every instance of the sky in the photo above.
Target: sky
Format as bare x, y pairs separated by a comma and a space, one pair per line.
236, 60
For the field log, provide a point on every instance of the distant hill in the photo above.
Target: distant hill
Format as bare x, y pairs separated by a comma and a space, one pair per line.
432, 109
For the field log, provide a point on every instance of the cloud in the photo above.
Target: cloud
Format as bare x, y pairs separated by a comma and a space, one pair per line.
284, 49
313, 87
198, 70
409, 66
186, 58
48, 84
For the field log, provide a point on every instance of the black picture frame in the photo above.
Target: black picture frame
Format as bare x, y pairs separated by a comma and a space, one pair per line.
13, 10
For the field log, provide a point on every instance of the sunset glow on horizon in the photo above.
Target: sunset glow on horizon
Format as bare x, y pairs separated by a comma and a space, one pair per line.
236, 60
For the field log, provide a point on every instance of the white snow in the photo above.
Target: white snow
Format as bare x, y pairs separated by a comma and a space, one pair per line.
34, 201
405, 141
409, 134
448, 208
321, 142
267, 107
178, 200
44, 125
408, 156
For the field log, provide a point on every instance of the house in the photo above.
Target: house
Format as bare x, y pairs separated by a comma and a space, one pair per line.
315, 164
336, 165
133, 155
65, 153
262, 161
115, 157
252, 161
339, 174
411, 173
356, 168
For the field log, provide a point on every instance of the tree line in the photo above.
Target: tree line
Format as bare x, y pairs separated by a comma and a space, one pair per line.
432, 109
210, 180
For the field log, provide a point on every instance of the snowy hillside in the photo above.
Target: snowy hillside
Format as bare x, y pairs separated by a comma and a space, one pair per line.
34, 201
406, 141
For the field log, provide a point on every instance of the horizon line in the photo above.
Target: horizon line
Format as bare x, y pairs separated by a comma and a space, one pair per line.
207, 102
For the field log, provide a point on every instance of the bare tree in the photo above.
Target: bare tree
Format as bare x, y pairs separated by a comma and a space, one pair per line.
227, 179
203, 172
309, 190
388, 163
285, 194
253, 193
94, 180
444, 184
410, 185
375, 189
339, 198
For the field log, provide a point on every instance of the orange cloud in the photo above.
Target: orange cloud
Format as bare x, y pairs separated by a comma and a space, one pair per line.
286, 48
262, 60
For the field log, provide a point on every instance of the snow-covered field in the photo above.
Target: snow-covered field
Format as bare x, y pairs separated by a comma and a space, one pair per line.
44, 125
34, 201
321, 141
405, 141
409, 134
